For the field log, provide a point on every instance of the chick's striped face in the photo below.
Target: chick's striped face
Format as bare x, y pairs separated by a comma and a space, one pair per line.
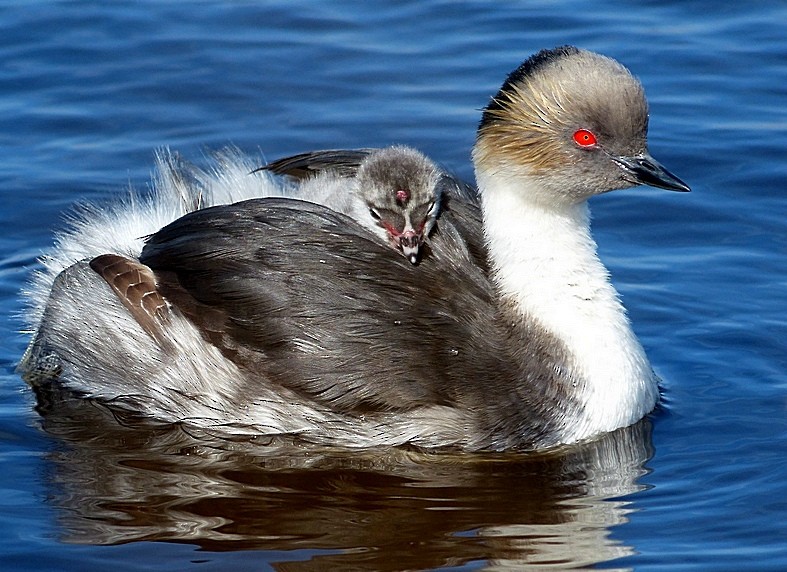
402, 196
408, 217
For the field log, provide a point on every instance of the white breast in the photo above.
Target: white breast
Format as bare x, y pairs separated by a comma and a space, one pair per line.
545, 261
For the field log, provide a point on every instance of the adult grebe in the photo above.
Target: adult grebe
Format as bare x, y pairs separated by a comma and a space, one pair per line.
275, 316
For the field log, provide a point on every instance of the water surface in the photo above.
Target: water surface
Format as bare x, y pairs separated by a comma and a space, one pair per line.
89, 91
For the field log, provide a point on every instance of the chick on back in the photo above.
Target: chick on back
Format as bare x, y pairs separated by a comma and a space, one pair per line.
395, 192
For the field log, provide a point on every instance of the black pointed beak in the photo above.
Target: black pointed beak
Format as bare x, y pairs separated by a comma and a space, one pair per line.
643, 169
410, 243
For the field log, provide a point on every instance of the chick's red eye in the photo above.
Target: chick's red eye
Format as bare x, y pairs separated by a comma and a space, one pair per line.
585, 138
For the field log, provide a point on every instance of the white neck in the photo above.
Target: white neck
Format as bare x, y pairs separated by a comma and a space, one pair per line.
544, 260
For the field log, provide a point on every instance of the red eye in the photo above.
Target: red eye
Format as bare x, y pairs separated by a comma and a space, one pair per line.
585, 138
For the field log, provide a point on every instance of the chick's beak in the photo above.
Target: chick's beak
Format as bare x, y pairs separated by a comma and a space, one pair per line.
410, 243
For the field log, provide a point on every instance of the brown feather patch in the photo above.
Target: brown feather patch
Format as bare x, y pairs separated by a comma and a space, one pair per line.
135, 285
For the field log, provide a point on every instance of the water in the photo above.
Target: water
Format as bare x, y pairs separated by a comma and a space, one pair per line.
90, 90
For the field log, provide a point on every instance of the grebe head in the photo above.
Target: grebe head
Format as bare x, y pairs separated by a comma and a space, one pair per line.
575, 123
401, 188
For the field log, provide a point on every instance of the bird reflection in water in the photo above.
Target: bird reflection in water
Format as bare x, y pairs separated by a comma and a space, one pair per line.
122, 480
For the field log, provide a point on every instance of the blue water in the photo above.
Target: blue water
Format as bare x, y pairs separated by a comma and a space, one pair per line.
89, 90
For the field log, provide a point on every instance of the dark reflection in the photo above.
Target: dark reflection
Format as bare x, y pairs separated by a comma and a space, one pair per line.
118, 482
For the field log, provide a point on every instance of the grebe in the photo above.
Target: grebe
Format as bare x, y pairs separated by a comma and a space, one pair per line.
275, 316
395, 191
